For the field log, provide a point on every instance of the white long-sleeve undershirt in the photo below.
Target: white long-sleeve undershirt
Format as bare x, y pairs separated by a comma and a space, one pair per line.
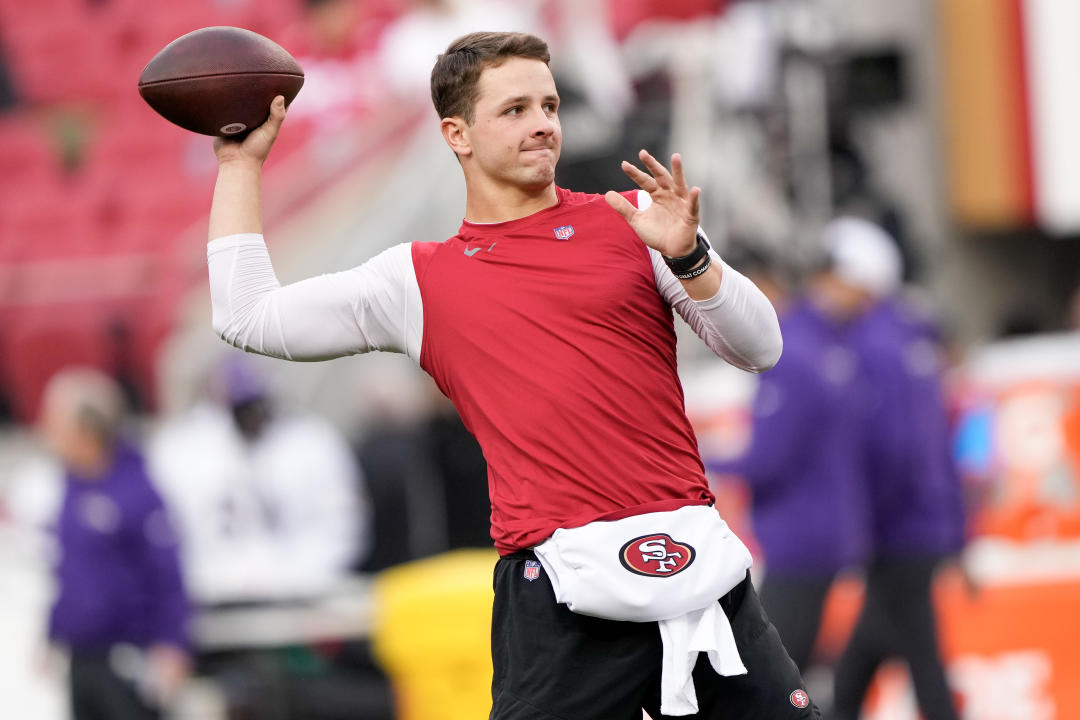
377, 306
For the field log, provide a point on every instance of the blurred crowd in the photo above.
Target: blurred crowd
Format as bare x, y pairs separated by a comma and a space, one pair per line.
882, 444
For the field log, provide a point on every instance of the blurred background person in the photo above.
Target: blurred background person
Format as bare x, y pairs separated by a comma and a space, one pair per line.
803, 462
270, 504
273, 512
916, 502
120, 611
413, 40
335, 42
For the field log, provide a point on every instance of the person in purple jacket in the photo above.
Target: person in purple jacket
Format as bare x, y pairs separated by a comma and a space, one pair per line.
916, 508
120, 611
803, 466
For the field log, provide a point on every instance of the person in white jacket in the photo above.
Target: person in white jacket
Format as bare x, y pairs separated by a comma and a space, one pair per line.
271, 505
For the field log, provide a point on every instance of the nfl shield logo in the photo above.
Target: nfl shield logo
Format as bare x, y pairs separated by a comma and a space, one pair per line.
565, 232
532, 570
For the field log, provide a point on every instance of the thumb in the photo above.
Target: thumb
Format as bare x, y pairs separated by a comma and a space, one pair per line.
277, 112
621, 205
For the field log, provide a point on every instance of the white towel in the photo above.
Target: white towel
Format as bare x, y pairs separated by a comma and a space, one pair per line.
594, 572
683, 637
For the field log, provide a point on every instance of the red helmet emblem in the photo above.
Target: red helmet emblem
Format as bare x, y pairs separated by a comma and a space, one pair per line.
657, 555
799, 699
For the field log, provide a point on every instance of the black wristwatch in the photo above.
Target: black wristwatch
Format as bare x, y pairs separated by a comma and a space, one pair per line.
683, 266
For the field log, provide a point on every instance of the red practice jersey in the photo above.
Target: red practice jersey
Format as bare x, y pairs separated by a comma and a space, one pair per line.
549, 335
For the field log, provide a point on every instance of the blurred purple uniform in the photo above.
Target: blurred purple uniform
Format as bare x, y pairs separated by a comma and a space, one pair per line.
118, 575
808, 507
915, 496
916, 509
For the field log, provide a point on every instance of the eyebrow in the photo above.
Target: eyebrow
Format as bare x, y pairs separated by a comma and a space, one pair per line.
525, 98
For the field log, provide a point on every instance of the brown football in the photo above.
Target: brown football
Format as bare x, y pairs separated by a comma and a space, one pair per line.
219, 80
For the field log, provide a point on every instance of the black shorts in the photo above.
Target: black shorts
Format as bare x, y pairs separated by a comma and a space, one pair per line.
551, 663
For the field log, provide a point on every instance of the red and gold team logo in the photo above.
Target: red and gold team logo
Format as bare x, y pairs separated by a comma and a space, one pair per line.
799, 699
656, 555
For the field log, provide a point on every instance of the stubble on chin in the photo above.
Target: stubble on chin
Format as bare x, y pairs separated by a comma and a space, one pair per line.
539, 177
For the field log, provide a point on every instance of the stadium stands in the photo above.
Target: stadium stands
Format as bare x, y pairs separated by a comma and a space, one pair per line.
99, 189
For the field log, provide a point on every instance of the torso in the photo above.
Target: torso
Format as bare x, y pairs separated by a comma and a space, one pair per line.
549, 335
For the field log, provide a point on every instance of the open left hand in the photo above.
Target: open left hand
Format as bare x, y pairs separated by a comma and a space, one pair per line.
669, 225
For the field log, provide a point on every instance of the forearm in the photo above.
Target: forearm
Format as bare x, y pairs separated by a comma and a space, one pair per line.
237, 204
743, 321
727, 311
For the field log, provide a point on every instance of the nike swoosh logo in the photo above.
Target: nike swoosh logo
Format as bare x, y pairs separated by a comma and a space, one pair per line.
472, 252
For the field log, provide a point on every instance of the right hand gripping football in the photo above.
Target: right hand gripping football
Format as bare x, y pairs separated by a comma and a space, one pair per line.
255, 147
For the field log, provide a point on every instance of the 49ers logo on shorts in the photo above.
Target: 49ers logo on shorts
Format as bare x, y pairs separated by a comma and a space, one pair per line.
656, 555
799, 699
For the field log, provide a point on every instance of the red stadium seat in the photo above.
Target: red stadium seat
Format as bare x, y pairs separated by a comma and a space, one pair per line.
48, 58
27, 152
42, 341
43, 224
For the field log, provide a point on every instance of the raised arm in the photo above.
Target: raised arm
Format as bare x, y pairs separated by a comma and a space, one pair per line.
375, 306
237, 204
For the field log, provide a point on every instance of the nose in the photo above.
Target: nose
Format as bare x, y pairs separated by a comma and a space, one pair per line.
545, 125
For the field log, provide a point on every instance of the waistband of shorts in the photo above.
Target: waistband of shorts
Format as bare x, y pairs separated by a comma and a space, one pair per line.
730, 602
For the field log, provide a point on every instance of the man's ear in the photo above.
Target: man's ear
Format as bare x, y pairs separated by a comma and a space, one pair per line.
454, 132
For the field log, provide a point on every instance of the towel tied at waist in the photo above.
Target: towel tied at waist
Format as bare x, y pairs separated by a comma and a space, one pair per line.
665, 567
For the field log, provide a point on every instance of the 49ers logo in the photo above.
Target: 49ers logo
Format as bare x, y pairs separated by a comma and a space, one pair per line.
657, 555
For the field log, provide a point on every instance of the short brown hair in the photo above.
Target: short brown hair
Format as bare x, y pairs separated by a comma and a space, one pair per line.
456, 74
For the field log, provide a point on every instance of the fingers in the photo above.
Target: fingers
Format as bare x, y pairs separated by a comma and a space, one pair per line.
677, 172
620, 204
643, 179
659, 172
660, 177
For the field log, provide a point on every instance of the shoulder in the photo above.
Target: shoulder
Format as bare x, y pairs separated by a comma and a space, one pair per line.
423, 254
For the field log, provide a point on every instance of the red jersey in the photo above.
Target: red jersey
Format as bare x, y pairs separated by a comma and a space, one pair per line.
549, 335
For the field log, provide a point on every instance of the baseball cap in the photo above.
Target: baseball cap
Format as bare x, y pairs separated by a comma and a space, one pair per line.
238, 381
863, 255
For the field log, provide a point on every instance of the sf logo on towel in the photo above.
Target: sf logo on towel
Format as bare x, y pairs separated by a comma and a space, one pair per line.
656, 555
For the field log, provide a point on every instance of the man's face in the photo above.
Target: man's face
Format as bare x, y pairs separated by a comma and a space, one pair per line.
60, 431
515, 137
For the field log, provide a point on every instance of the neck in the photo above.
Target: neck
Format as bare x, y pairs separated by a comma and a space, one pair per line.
486, 203
90, 463
829, 301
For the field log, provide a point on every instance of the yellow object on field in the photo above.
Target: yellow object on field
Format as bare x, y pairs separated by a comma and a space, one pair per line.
432, 634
